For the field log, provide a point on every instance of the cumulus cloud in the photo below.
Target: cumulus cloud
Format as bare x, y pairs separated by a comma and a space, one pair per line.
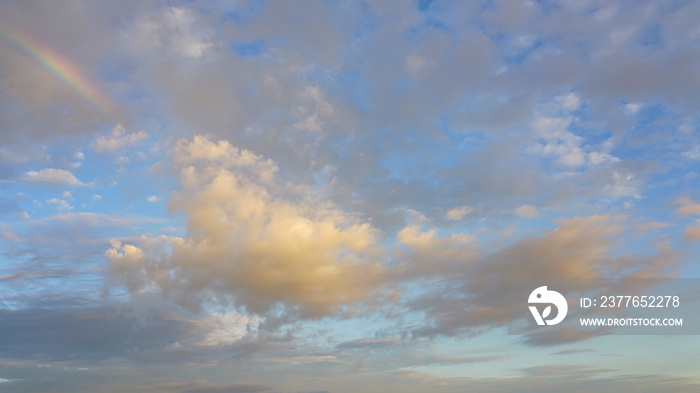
247, 238
52, 176
121, 254
118, 139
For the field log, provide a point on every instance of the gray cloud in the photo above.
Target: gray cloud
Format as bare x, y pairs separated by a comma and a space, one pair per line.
468, 293
234, 388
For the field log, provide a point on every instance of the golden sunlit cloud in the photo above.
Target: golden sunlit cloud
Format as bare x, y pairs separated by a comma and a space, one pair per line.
246, 238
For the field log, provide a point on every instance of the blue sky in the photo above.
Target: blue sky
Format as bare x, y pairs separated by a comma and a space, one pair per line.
241, 196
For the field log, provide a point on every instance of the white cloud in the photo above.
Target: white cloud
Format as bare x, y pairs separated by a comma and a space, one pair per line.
60, 204
597, 158
96, 197
559, 143
78, 158
176, 30
153, 198
632, 108
191, 42
623, 185
568, 102
524, 41
413, 215
693, 153
458, 213
52, 176
118, 139
526, 211
552, 126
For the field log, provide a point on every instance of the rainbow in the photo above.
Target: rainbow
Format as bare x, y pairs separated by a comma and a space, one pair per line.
60, 67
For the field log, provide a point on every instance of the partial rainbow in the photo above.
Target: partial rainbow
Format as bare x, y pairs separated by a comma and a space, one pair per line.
60, 67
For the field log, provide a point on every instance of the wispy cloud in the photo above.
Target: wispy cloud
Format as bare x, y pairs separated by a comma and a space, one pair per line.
52, 176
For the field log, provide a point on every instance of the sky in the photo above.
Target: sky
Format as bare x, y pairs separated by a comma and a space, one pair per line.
329, 196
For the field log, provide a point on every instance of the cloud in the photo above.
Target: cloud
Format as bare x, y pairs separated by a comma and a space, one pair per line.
311, 119
229, 388
89, 219
153, 198
250, 238
368, 343
23, 154
9, 206
458, 213
60, 204
526, 211
692, 232
122, 254
687, 207
470, 297
63, 331
571, 351
118, 139
52, 176
632, 108
173, 30
425, 253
